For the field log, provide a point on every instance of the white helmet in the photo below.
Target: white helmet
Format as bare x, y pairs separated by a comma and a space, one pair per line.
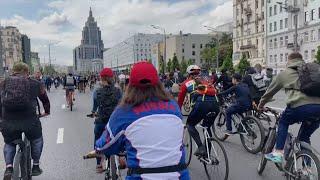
192, 68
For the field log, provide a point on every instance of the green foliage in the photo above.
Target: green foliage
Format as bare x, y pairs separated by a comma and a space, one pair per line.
49, 70
243, 65
183, 66
209, 55
227, 64
169, 66
175, 63
318, 55
190, 62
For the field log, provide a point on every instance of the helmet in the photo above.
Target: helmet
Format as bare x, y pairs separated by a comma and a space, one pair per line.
193, 69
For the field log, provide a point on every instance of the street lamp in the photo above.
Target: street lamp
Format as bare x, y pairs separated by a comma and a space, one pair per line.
293, 10
49, 45
218, 43
165, 44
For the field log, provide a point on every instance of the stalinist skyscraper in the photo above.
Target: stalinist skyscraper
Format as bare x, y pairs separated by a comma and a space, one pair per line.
91, 48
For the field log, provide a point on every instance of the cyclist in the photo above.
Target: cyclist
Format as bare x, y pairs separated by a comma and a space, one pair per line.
20, 116
243, 100
300, 107
225, 80
148, 125
70, 83
203, 97
105, 100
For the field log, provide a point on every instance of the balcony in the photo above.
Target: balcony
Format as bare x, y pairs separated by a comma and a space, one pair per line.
292, 46
248, 11
248, 46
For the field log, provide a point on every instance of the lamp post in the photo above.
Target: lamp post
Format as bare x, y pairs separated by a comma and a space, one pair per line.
218, 43
165, 45
293, 10
49, 45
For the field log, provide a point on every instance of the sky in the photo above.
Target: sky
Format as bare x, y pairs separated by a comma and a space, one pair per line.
60, 22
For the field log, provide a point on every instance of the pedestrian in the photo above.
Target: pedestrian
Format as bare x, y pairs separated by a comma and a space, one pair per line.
105, 100
19, 102
148, 126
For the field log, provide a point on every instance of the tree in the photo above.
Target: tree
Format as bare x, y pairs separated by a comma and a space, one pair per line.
49, 70
183, 66
318, 55
227, 64
243, 65
169, 66
175, 63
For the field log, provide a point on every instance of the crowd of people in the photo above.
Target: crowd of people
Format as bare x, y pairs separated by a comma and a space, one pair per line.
140, 112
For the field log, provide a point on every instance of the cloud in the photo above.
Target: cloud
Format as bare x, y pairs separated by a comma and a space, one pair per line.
117, 19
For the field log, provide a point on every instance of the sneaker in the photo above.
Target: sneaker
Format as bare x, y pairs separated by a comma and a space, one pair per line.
274, 157
228, 132
8, 173
201, 151
36, 171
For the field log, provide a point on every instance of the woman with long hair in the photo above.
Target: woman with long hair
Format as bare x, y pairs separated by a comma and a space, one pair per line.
148, 125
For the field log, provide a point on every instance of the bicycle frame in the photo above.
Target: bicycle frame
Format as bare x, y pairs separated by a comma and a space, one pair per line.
206, 136
20, 164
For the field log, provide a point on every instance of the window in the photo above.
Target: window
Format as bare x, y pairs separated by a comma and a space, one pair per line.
281, 9
306, 55
182, 50
319, 13
312, 14
193, 53
275, 58
313, 35
270, 44
281, 41
193, 45
318, 34
286, 39
262, 27
286, 23
275, 26
270, 26
275, 9
275, 43
270, 11
200, 46
262, 3
201, 61
257, 4
281, 57
313, 54
270, 60
286, 57
306, 16
306, 37
281, 24
182, 45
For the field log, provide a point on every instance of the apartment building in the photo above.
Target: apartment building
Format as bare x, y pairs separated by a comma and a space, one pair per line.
249, 31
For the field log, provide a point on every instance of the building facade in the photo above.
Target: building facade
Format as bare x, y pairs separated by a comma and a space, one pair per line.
26, 49
187, 47
35, 61
157, 52
281, 31
91, 46
136, 48
11, 46
249, 31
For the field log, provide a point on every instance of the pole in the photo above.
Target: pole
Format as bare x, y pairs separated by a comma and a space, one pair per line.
295, 32
165, 50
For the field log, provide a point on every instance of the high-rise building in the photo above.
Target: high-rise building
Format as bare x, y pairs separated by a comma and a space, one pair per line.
249, 31
281, 30
26, 50
91, 46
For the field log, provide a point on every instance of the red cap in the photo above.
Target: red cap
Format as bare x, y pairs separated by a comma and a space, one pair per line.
143, 71
106, 72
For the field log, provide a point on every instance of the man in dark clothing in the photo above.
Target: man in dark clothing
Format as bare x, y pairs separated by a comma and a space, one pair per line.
14, 122
256, 93
243, 100
225, 80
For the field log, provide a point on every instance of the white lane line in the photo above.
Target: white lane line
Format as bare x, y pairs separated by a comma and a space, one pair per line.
60, 136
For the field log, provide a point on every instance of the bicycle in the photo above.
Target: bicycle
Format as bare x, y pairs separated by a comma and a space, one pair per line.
112, 171
294, 151
187, 104
214, 158
248, 127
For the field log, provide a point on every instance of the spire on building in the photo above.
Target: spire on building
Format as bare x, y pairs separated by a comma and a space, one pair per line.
90, 12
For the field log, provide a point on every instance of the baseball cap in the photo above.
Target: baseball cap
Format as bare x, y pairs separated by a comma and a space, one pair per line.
143, 73
106, 72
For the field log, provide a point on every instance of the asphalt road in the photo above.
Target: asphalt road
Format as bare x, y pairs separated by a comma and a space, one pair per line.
62, 156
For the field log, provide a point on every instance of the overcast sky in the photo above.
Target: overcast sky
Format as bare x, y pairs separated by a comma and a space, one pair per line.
62, 21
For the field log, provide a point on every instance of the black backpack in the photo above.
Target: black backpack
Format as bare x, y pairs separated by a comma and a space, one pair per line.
16, 95
107, 99
309, 79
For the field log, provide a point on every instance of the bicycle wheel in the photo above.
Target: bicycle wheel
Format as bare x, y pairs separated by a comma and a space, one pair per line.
16, 166
186, 105
306, 166
218, 169
113, 168
267, 149
219, 126
187, 144
253, 137
26, 161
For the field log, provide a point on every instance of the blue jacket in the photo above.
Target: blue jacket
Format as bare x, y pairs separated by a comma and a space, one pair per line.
242, 93
151, 134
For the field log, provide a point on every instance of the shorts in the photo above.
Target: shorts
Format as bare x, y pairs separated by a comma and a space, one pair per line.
11, 131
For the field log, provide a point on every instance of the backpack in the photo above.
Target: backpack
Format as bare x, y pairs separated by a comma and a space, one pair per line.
309, 79
175, 88
69, 81
258, 82
107, 100
16, 94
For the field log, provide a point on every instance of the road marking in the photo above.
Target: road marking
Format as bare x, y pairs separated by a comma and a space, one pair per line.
63, 106
60, 136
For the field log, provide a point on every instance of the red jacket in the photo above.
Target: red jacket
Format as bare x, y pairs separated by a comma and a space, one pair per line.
189, 86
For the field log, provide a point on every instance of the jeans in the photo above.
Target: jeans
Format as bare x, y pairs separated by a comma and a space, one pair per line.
234, 109
305, 114
98, 130
36, 150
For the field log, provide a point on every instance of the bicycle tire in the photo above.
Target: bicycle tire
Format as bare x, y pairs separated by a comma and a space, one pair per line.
261, 132
187, 144
186, 106
27, 162
16, 167
300, 154
216, 126
267, 149
113, 168
225, 159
